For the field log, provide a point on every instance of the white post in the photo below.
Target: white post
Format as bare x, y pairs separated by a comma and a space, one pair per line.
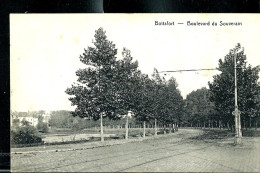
155, 127
101, 128
144, 130
126, 126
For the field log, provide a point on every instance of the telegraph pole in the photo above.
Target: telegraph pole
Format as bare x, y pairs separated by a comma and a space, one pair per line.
236, 113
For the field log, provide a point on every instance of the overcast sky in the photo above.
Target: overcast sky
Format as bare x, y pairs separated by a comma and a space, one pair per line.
45, 49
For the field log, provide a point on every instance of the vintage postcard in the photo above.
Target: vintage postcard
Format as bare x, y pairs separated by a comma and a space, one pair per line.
135, 92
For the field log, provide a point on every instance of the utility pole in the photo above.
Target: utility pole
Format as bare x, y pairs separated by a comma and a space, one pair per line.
236, 113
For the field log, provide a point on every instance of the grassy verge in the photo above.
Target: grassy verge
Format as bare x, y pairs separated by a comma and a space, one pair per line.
216, 134
119, 134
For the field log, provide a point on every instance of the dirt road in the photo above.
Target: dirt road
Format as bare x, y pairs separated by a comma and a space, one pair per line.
172, 153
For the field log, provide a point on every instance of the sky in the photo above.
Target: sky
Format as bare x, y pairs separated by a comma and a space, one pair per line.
45, 50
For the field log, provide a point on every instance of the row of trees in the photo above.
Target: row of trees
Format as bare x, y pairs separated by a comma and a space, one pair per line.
110, 87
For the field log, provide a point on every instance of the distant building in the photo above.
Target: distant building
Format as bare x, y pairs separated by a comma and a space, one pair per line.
32, 121
31, 118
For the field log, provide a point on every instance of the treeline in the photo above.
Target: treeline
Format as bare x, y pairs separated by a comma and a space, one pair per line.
34, 114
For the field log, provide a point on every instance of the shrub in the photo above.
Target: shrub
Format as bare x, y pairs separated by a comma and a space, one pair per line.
25, 135
42, 127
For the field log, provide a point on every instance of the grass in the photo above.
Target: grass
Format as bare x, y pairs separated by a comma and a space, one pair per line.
217, 134
118, 134
251, 133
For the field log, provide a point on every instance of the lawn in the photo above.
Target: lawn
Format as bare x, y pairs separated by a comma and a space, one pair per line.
57, 136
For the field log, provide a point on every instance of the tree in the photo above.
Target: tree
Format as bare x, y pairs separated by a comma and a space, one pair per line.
198, 108
95, 93
41, 126
143, 99
170, 104
222, 88
175, 103
61, 119
167, 102
156, 102
125, 82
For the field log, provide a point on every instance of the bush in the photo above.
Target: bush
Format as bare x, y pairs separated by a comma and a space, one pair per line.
25, 135
42, 127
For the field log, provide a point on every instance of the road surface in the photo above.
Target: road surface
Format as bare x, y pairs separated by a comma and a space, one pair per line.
172, 153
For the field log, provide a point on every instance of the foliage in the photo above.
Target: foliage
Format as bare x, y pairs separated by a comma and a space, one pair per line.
25, 123
61, 119
198, 107
25, 135
222, 88
94, 94
109, 88
42, 126
125, 81
34, 114
143, 97
167, 102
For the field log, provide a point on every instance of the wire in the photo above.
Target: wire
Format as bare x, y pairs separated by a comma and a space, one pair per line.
188, 70
198, 69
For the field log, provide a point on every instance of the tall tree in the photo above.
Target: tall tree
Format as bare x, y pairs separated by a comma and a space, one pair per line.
95, 93
175, 102
171, 103
198, 108
222, 88
143, 99
125, 81
158, 84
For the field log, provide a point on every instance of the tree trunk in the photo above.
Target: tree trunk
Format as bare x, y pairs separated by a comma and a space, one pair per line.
228, 125
144, 130
255, 125
173, 128
204, 124
244, 124
219, 124
177, 127
209, 124
155, 127
164, 130
250, 123
212, 124
191, 124
101, 128
126, 128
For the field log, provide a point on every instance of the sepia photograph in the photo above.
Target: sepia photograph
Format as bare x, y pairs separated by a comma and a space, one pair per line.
135, 92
